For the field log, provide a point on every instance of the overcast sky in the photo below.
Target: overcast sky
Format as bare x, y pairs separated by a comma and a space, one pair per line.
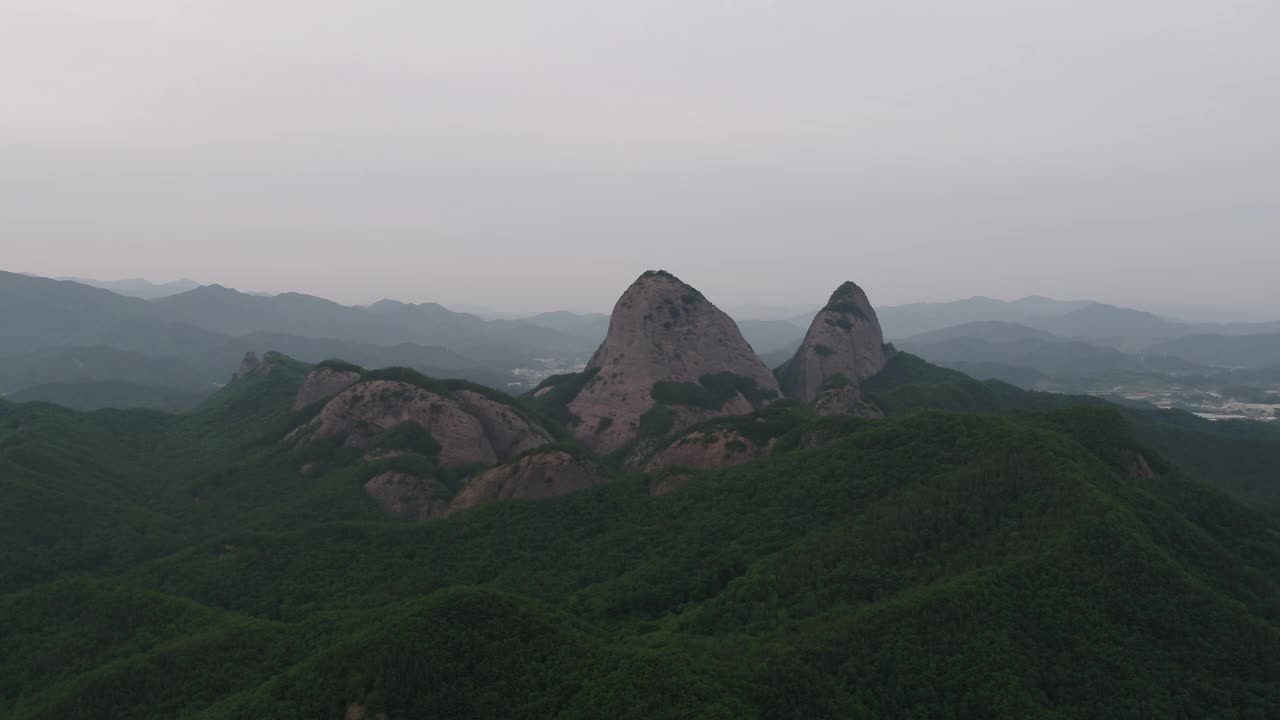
540, 154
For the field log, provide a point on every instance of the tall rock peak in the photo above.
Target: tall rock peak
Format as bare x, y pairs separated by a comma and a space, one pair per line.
667, 346
843, 347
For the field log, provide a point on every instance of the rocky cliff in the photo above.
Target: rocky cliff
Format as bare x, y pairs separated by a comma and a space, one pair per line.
468, 427
408, 497
324, 382
843, 347
671, 359
535, 476
710, 448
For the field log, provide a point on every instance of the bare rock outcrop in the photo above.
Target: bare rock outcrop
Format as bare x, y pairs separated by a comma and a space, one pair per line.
711, 448
664, 331
532, 477
321, 383
251, 364
408, 497
843, 347
844, 397
363, 411
506, 429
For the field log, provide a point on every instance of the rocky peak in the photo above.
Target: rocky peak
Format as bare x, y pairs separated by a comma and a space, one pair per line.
844, 347
535, 476
666, 337
468, 427
250, 365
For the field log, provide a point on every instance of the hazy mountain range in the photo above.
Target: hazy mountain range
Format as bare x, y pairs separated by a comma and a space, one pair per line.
60, 333
676, 531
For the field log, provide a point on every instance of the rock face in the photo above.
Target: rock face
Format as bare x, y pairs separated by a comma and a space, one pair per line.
506, 429
321, 383
712, 448
408, 497
533, 477
844, 347
664, 331
467, 433
250, 365
840, 397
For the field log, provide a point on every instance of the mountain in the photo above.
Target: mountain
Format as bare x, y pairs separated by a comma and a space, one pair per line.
101, 363
138, 287
1053, 356
330, 541
991, 331
230, 312
427, 359
1118, 327
1033, 358
1235, 351
591, 326
207, 329
498, 343
99, 394
60, 333
902, 321
843, 348
38, 313
670, 360
1030, 557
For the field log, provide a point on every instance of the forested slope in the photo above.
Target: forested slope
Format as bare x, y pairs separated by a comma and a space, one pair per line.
1035, 559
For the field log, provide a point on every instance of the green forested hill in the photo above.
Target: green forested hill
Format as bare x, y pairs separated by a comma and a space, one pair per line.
1029, 557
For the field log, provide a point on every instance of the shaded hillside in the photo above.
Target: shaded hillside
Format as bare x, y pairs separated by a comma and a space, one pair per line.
139, 287
902, 321
100, 394
1241, 457
1038, 564
64, 334
38, 313
1066, 358
1118, 327
1030, 556
992, 331
1239, 351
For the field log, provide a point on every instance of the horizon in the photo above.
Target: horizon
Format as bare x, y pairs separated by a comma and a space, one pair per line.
1186, 312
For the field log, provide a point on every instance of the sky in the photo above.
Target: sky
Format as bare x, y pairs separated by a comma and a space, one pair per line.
538, 155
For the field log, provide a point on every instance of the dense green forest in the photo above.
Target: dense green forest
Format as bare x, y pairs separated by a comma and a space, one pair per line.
984, 552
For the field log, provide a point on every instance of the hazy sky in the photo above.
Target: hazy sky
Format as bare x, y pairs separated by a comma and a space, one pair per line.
539, 154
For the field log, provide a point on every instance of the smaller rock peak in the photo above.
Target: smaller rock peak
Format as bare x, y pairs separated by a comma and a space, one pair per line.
848, 298
249, 365
663, 274
843, 347
658, 284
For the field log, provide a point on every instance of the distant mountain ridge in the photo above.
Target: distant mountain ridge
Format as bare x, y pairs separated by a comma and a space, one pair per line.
902, 321
139, 287
986, 330
204, 331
